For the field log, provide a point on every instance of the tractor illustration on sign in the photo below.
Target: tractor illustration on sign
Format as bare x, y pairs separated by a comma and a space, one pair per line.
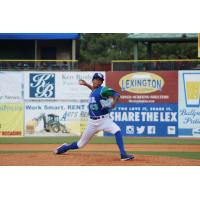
51, 124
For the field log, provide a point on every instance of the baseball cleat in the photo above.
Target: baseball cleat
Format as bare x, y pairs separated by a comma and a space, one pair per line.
127, 157
61, 149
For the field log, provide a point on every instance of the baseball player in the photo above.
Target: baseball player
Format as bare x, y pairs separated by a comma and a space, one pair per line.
101, 101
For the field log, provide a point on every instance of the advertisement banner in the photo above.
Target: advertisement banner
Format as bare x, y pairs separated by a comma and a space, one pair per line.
198, 45
57, 85
11, 87
189, 103
55, 118
11, 119
145, 87
152, 120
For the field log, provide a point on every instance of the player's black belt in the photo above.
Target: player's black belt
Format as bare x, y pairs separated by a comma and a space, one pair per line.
97, 117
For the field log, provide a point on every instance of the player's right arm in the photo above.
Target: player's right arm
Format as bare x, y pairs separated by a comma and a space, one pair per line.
115, 100
82, 82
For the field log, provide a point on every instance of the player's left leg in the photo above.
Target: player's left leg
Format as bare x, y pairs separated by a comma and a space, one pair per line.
109, 126
120, 143
86, 136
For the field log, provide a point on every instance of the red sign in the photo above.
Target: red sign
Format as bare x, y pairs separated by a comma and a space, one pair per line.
145, 87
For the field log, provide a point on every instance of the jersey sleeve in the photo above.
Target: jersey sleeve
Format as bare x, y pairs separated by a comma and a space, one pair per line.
106, 91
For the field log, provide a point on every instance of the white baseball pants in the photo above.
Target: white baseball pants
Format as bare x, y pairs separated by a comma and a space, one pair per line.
103, 124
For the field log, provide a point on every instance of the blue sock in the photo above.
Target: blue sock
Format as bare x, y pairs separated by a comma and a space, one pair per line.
120, 143
65, 148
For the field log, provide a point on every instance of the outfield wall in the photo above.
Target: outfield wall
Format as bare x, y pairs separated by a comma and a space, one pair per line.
152, 104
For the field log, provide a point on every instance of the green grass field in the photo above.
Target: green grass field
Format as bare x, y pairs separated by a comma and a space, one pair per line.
109, 140
97, 140
190, 155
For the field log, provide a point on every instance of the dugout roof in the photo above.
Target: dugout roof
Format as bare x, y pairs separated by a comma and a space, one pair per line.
149, 38
164, 37
39, 36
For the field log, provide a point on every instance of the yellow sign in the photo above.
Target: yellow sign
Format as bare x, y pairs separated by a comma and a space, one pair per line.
141, 83
11, 119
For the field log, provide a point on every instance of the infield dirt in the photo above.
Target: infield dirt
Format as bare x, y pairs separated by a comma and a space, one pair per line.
94, 155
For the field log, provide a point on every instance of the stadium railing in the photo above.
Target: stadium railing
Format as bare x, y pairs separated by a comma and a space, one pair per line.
39, 65
143, 65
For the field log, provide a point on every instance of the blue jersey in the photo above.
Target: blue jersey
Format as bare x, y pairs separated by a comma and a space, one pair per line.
95, 108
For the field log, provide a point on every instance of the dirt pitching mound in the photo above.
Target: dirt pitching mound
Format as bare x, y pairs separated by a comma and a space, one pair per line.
90, 159
93, 155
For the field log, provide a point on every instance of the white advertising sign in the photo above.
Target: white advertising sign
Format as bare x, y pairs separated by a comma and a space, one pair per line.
55, 118
11, 87
57, 85
189, 102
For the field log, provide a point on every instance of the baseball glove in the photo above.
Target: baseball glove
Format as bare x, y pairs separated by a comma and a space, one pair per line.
106, 103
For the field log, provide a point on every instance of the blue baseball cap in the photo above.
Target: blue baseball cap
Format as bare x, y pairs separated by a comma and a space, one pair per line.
98, 75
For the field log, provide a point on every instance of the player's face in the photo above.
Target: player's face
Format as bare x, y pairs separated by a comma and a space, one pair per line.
97, 82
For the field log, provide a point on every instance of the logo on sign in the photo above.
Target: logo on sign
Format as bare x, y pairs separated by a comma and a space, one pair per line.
129, 129
171, 130
196, 131
140, 130
192, 89
151, 130
42, 85
141, 83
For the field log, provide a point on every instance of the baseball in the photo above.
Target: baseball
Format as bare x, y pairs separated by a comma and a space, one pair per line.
81, 82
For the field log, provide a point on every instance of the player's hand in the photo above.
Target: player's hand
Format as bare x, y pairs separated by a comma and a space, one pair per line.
82, 82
